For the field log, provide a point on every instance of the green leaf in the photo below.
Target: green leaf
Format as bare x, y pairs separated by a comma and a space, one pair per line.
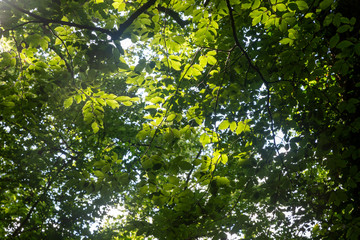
202, 61
78, 98
99, 164
256, 13
283, 26
143, 134
173, 180
204, 139
310, 15
246, 5
233, 126
171, 117
242, 127
325, 4
334, 40
224, 158
222, 181
127, 103
123, 98
184, 165
256, 4
176, 133
156, 100
43, 44
68, 102
112, 103
175, 65
135, 99
140, 66
344, 44
281, 7
302, 5
224, 125
179, 39
357, 49
119, 5
287, 41
95, 127
343, 28
256, 20
8, 104
328, 20
99, 174
211, 60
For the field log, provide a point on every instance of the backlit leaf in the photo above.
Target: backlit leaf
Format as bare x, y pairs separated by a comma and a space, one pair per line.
68, 102
112, 103
99, 174
95, 127
325, 4
302, 5
224, 125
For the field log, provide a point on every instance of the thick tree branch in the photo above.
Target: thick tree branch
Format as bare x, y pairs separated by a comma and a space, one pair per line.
117, 34
114, 34
174, 15
47, 21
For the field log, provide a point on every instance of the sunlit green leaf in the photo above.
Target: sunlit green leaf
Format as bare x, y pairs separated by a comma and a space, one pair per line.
113, 103
281, 7
8, 104
68, 102
171, 117
302, 5
224, 158
256, 4
224, 125
95, 127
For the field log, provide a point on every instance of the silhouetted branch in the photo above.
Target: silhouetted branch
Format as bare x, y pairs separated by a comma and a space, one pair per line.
114, 34
47, 21
256, 69
117, 34
174, 15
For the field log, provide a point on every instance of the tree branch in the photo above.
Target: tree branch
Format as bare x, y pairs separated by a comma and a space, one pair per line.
192, 169
256, 69
114, 34
18, 230
20, 25
117, 34
47, 21
174, 15
253, 66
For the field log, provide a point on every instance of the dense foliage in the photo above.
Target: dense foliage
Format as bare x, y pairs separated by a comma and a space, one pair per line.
223, 117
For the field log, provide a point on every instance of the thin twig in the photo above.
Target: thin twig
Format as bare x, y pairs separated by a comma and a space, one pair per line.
69, 66
256, 69
20, 25
192, 169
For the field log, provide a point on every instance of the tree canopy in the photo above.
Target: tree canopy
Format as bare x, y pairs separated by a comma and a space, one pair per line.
222, 117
